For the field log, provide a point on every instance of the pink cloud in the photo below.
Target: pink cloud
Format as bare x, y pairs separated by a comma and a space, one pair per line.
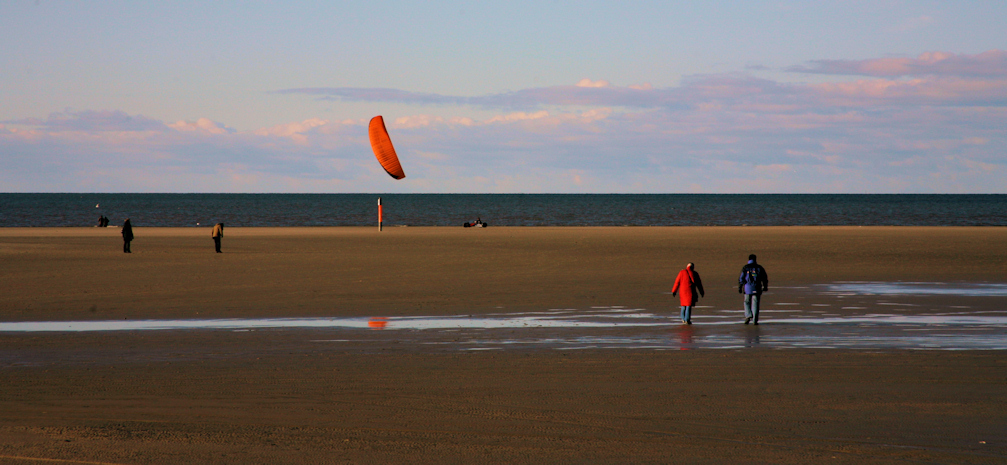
415, 121
295, 131
923, 91
202, 124
589, 83
519, 116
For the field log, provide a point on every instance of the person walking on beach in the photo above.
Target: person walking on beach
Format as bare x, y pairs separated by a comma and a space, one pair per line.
217, 234
688, 284
752, 282
127, 235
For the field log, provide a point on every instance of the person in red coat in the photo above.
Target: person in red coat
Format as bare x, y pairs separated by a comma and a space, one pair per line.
687, 284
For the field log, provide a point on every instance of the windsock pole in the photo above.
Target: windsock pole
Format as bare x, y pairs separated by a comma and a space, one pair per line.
379, 213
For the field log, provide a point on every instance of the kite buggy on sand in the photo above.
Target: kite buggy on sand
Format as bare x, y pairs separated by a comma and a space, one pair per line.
478, 223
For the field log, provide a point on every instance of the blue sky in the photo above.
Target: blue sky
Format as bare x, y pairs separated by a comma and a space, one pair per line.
846, 96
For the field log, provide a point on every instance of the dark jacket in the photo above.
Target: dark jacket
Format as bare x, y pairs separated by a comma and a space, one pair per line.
753, 279
127, 231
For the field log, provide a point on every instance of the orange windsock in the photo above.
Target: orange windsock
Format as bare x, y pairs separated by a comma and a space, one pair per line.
382, 146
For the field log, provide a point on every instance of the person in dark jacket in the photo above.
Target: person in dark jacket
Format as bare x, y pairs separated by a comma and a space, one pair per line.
691, 287
217, 234
127, 235
752, 282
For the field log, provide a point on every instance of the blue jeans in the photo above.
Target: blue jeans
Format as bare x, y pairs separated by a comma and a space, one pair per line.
686, 313
752, 306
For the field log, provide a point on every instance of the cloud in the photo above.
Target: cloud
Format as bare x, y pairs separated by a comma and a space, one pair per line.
589, 83
202, 124
716, 91
92, 121
519, 116
414, 121
919, 92
295, 131
712, 133
992, 63
586, 92
734, 148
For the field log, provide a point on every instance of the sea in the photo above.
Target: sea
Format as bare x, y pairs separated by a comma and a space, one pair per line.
200, 210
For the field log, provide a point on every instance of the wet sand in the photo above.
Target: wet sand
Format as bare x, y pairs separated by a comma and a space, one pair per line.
81, 273
332, 396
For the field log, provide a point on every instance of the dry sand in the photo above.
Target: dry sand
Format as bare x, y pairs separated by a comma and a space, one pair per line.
275, 397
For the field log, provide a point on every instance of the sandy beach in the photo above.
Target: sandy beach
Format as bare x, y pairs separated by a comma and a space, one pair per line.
81, 273
345, 396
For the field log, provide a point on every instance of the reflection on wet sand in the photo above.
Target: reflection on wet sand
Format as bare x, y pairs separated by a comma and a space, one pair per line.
685, 333
752, 336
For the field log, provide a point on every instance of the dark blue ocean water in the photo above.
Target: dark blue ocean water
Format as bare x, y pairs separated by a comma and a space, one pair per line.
24, 210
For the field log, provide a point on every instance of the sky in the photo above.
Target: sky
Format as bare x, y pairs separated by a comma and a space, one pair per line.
504, 97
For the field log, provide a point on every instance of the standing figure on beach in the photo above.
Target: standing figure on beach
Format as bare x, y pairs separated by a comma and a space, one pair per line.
217, 234
687, 284
127, 235
752, 282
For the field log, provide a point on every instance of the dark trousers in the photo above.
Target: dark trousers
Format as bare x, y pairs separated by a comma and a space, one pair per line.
216, 243
125, 247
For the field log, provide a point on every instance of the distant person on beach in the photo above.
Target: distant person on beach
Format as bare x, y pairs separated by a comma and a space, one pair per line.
687, 284
217, 234
127, 235
103, 221
752, 282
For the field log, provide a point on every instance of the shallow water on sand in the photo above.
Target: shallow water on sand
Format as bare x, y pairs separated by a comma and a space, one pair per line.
619, 328
874, 322
916, 289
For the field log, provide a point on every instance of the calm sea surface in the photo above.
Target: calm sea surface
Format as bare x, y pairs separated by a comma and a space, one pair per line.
25, 210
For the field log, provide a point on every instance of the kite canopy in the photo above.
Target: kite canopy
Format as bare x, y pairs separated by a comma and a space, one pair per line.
382, 146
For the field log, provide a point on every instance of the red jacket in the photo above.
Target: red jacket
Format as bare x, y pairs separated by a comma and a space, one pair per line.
686, 285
